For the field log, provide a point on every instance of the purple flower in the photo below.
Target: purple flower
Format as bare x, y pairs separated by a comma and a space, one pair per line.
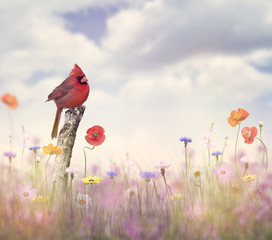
10, 154
148, 175
26, 192
34, 148
185, 139
223, 171
112, 174
217, 153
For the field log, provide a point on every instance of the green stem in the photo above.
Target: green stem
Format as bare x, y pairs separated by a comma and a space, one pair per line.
85, 169
209, 154
166, 186
226, 138
46, 173
71, 185
23, 151
266, 155
186, 162
245, 171
10, 166
235, 151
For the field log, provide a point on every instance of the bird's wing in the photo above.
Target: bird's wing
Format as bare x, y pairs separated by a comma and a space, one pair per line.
62, 90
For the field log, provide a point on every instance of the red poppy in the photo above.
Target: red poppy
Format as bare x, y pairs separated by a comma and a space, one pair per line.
95, 135
10, 100
249, 134
237, 116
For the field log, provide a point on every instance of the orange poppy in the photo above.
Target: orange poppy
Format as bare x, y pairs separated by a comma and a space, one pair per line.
10, 100
249, 134
236, 117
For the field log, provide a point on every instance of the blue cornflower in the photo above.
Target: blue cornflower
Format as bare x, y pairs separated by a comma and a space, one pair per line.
10, 154
148, 175
112, 174
217, 153
186, 140
35, 148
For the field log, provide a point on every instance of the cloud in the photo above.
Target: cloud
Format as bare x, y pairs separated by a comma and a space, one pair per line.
164, 32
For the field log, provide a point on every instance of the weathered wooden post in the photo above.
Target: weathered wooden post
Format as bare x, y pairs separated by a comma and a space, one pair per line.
66, 140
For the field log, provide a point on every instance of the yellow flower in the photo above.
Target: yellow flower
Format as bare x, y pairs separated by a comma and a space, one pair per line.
248, 177
40, 198
50, 149
176, 196
91, 180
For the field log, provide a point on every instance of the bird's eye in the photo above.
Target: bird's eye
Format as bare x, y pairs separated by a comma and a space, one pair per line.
79, 78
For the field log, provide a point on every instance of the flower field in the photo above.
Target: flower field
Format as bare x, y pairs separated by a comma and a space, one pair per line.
228, 198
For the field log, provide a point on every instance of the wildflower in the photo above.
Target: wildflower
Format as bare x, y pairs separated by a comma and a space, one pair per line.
194, 174
217, 153
91, 180
25, 137
10, 100
249, 134
26, 192
260, 124
223, 171
234, 190
72, 171
83, 200
148, 175
50, 149
95, 135
131, 192
176, 196
248, 177
162, 166
34, 148
236, 117
207, 136
10, 155
186, 140
208, 145
40, 198
247, 159
112, 174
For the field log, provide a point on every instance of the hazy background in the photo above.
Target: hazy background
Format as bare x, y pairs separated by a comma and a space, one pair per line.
158, 70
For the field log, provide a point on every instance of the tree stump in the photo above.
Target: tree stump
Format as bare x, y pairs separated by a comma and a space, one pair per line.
66, 140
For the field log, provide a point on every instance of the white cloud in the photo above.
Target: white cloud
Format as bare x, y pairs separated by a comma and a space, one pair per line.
161, 32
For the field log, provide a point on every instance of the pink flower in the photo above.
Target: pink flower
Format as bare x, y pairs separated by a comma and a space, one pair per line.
72, 170
223, 171
162, 165
26, 192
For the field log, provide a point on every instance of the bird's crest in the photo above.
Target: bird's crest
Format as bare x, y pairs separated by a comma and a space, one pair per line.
76, 71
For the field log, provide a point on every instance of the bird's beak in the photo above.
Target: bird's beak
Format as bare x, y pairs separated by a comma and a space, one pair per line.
84, 79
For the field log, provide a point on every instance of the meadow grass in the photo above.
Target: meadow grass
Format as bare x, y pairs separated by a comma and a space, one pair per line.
225, 199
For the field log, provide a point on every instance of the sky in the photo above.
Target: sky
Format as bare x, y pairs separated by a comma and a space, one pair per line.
158, 70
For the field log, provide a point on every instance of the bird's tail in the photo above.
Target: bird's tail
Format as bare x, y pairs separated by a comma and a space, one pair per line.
54, 133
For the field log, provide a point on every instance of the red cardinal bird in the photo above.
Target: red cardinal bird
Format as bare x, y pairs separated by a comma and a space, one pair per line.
71, 93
